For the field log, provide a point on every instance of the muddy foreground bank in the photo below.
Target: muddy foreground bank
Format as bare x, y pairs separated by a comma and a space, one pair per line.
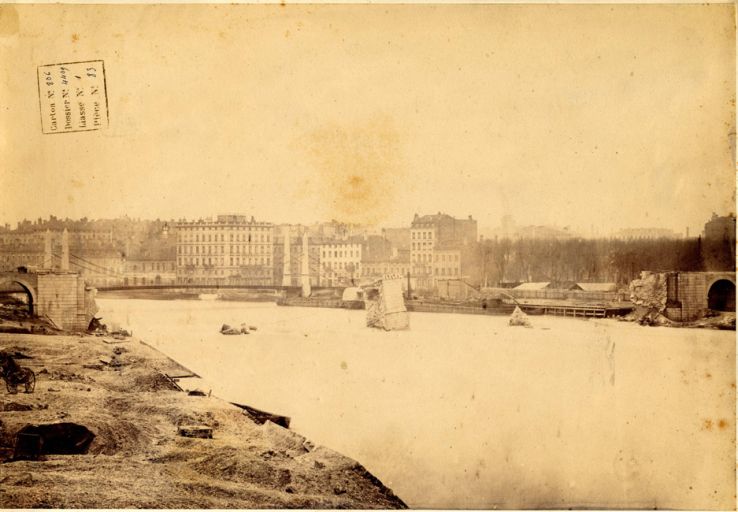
138, 460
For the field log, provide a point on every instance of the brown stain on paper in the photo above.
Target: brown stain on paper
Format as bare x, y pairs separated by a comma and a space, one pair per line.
357, 168
721, 424
9, 22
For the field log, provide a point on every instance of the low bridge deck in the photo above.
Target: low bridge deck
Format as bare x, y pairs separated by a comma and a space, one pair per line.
207, 287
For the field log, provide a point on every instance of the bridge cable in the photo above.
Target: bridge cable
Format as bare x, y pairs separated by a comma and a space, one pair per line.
93, 270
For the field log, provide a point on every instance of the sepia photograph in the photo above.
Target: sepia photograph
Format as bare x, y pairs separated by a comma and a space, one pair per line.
368, 256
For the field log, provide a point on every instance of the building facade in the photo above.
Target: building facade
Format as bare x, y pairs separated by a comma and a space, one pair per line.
388, 268
92, 253
153, 262
718, 243
446, 263
340, 263
230, 249
438, 245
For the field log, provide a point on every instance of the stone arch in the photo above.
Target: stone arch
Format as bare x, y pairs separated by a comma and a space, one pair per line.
721, 295
28, 288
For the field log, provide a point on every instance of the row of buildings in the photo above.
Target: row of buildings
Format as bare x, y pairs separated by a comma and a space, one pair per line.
240, 250
235, 249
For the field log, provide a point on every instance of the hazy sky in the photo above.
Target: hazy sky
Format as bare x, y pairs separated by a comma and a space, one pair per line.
612, 116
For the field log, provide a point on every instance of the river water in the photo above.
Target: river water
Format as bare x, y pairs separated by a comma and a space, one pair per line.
465, 411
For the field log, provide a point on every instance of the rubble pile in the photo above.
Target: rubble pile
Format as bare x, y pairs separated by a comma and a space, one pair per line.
518, 318
234, 331
649, 291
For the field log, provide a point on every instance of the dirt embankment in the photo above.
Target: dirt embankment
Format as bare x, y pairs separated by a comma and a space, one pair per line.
137, 459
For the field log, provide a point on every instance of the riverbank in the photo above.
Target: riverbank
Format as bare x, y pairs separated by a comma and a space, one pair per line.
120, 392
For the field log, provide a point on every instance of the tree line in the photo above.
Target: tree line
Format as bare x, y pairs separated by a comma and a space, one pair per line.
502, 260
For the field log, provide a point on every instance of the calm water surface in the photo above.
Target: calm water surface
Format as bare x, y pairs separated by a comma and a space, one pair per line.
464, 411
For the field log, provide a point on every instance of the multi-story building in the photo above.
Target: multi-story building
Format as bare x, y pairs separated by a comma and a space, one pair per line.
399, 238
153, 262
422, 242
340, 263
230, 249
397, 265
720, 228
380, 257
92, 253
446, 263
439, 234
718, 244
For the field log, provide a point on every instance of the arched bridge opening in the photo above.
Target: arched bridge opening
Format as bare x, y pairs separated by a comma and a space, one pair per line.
721, 295
11, 287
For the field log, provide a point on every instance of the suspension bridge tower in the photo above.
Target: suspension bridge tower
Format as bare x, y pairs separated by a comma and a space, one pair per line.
286, 263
